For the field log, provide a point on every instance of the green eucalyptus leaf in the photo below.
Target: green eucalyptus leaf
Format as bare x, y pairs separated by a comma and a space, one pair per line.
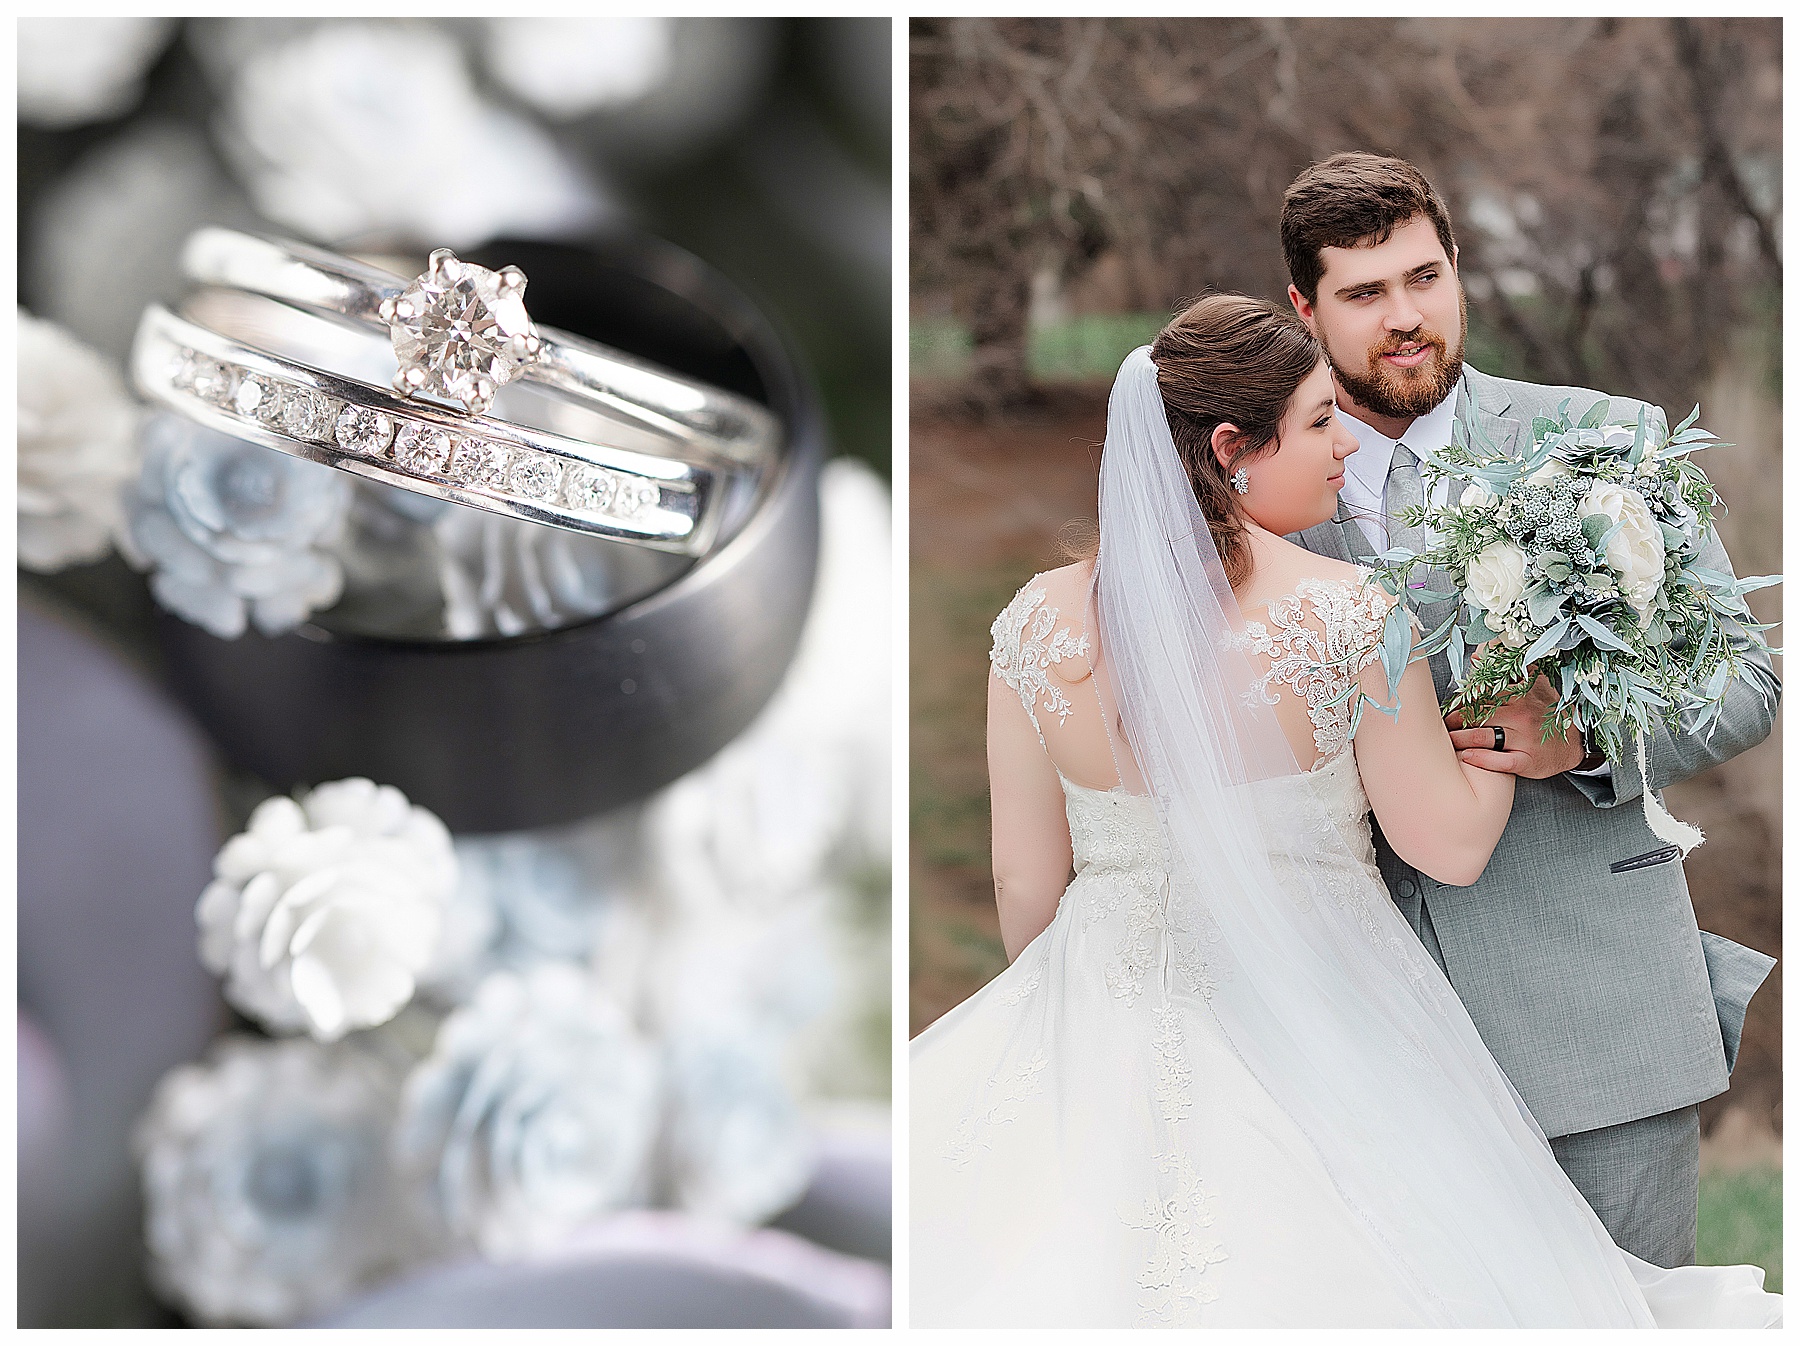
1605, 639
1596, 415
1545, 643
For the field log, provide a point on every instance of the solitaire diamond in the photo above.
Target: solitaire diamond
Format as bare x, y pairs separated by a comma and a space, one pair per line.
421, 448
461, 331
364, 430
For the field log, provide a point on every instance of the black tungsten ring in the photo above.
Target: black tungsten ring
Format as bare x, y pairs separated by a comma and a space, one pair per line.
1499, 739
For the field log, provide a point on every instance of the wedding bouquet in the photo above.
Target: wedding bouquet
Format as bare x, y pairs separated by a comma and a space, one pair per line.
1578, 561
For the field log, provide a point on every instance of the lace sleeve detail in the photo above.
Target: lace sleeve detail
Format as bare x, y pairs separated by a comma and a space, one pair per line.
1027, 641
1319, 659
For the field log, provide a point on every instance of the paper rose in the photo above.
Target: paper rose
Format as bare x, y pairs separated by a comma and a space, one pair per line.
81, 70
324, 911
268, 1193
1497, 577
534, 1114
231, 532
1635, 552
737, 1147
357, 128
525, 897
77, 448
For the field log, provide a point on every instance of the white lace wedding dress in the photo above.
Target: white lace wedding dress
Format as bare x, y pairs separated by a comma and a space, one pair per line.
1087, 1147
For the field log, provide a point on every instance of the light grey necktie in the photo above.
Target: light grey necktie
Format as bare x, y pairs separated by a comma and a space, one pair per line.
1403, 489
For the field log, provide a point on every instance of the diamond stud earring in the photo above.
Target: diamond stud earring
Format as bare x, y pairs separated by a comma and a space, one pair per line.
1240, 481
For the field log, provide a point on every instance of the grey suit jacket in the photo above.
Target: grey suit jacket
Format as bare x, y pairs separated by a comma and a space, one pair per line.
1596, 991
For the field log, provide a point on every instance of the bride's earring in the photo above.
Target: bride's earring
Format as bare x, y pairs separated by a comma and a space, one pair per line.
1240, 481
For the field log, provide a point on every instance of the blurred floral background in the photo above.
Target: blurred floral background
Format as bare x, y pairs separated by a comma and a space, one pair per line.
1616, 190
313, 1059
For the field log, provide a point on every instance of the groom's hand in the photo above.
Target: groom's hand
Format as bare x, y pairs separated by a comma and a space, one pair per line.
1523, 721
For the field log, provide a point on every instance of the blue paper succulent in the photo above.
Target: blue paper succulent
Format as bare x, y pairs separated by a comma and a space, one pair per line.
231, 532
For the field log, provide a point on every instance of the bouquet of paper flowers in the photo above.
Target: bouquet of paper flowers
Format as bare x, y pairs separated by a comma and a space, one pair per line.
1579, 561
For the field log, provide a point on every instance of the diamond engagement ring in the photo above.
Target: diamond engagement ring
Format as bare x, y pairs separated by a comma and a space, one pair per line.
633, 452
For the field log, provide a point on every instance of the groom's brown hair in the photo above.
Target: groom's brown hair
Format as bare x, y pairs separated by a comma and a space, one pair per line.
1349, 199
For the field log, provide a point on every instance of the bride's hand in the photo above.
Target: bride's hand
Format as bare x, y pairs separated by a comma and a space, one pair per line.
1522, 719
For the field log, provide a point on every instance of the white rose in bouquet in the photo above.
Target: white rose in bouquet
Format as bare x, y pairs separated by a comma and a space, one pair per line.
325, 910
1477, 496
1497, 577
268, 1194
534, 1114
77, 448
1635, 552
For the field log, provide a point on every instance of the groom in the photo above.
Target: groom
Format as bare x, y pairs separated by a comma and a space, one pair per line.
1576, 951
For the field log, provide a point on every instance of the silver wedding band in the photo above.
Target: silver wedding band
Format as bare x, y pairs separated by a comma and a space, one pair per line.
682, 453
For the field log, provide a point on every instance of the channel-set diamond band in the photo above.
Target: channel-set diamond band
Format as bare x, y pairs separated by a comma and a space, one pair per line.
491, 464
653, 458
460, 331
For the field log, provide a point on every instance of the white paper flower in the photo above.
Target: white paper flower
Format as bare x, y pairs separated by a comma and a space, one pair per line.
566, 68
1635, 553
737, 1147
534, 1114
1477, 496
1496, 577
77, 448
325, 910
267, 1187
356, 128
1549, 472
807, 784
81, 70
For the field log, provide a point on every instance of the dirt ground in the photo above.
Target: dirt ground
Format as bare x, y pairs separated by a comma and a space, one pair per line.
988, 504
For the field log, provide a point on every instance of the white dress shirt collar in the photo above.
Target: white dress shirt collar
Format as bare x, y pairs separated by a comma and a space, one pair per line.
1366, 470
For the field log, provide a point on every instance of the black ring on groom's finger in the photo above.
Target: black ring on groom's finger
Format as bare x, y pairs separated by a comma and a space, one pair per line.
1499, 739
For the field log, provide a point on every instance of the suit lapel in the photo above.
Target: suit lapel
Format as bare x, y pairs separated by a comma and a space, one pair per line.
1487, 402
1338, 537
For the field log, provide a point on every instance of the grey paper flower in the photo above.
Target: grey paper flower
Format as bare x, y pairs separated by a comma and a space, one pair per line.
534, 1114
736, 1145
77, 448
572, 894
232, 532
268, 1192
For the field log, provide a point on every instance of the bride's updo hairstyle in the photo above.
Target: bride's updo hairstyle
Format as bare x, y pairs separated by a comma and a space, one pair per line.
1229, 359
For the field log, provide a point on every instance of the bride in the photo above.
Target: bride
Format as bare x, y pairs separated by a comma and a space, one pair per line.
1222, 1083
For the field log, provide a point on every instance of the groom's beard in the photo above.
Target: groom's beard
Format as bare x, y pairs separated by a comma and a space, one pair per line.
1404, 393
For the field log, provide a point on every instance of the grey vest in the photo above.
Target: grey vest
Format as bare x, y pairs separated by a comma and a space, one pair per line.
1595, 991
